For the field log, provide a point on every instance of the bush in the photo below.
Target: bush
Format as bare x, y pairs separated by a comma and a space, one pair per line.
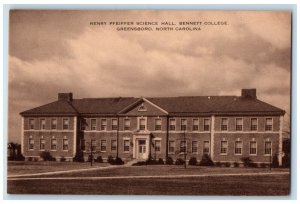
150, 161
236, 164
35, 159
246, 161
206, 161
193, 161
99, 159
46, 156
118, 161
179, 161
29, 158
254, 165
79, 157
275, 163
227, 164
218, 164
91, 158
286, 161
263, 165
169, 161
62, 159
160, 161
110, 160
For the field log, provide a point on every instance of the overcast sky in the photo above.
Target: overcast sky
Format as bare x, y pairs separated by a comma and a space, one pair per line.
58, 51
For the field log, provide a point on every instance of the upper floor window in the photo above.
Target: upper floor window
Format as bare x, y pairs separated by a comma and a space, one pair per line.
238, 147
205, 147
269, 124
195, 124
93, 124
224, 124
224, 147
172, 124
183, 124
253, 124
206, 124
65, 124
158, 123
239, 124
142, 124
42, 144
127, 124
114, 124
268, 148
171, 146
253, 148
30, 144
103, 124
31, 124
157, 145
42, 124
65, 144
54, 124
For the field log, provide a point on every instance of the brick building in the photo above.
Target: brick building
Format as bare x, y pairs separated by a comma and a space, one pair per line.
225, 127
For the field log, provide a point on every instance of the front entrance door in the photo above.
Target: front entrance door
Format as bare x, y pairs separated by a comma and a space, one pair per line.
141, 151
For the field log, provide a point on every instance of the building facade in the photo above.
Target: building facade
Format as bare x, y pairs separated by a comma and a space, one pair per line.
225, 127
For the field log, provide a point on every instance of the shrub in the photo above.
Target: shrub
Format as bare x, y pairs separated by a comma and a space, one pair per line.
206, 161
263, 165
286, 161
110, 160
219, 164
79, 157
169, 161
62, 159
99, 159
227, 164
46, 156
118, 161
179, 161
275, 163
246, 161
29, 158
193, 161
91, 158
150, 161
160, 161
36, 159
253, 165
236, 164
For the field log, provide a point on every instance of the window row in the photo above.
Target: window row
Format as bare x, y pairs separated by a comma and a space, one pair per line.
53, 144
53, 124
238, 148
183, 147
103, 147
253, 124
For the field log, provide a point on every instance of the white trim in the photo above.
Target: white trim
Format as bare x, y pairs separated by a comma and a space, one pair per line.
246, 132
157, 138
126, 138
156, 106
48, 130
22, 135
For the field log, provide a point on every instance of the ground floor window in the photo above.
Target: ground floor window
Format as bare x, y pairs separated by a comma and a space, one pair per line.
253, 148
65, 144
238, 147
126, 145
194, 147
103, 145
172, 147
182, 146
206, 147
42, 144
93, 145
53, 144
268, 148
30, 144
224, 147
113, 145
157, 145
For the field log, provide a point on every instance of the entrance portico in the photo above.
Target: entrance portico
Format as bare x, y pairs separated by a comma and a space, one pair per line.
141, 145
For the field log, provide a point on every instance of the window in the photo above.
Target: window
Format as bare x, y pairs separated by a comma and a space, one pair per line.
224, 124
93, 124
194, 147
171, 147
126, 124
126, 145
103, 124
142, 124
65, 144
253, 148
103, 145
268, 148
53, 124
53, 144
269, 124
114, 124
42, 124
158, 124
172, 124
206, 124
157, 145
253, 124
238, 147
83, 123
42, 144
224, 147
30, 144
65, 124
205, 147
239, 124
31, 124
195, 124
113, 145
93, 145
183, 147
183, 124
82, 145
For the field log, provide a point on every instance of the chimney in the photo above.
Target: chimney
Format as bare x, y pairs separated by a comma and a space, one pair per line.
65, 97
249, 93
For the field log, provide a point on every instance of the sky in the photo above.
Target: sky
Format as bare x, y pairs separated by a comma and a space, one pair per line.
59, 51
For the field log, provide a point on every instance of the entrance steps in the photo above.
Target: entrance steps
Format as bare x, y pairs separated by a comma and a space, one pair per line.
130, 163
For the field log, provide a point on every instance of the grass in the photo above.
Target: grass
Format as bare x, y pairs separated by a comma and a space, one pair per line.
230, 185
21, 167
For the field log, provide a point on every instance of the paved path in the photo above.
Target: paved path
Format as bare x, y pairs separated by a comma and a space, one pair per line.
147, 177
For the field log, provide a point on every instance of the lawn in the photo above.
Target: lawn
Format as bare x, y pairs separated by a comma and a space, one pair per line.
21, 167
266, 185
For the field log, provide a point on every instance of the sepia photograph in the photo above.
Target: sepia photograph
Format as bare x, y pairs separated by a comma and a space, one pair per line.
149, 102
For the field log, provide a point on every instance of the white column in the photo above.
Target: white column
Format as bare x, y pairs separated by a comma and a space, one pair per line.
212, 137
22, 136
280, 141
74, 136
